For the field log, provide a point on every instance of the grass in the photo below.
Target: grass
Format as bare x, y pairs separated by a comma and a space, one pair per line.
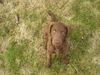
22, 47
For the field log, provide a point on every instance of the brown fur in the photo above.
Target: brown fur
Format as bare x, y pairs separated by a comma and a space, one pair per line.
56, 41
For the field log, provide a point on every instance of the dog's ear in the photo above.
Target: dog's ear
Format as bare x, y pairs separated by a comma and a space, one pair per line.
67, 30
50, 28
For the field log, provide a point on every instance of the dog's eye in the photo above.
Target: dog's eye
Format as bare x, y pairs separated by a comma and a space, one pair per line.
54, 30
63, 32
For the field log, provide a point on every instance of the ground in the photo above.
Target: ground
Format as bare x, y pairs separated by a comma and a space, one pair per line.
22, 49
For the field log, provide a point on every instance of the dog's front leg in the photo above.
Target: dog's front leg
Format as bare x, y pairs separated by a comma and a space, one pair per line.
50, 51
49, 59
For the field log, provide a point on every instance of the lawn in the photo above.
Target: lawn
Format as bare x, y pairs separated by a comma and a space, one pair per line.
22, 49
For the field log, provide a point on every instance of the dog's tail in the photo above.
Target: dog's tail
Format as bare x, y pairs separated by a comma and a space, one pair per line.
52, 15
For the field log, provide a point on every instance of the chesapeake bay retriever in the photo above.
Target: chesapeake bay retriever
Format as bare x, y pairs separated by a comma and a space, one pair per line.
56, 41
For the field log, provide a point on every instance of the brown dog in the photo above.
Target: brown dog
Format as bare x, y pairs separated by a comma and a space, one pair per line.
56, 41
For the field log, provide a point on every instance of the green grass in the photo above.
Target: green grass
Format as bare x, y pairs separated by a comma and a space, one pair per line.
22, 49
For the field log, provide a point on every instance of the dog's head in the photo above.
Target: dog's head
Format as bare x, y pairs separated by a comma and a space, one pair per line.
58, 33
